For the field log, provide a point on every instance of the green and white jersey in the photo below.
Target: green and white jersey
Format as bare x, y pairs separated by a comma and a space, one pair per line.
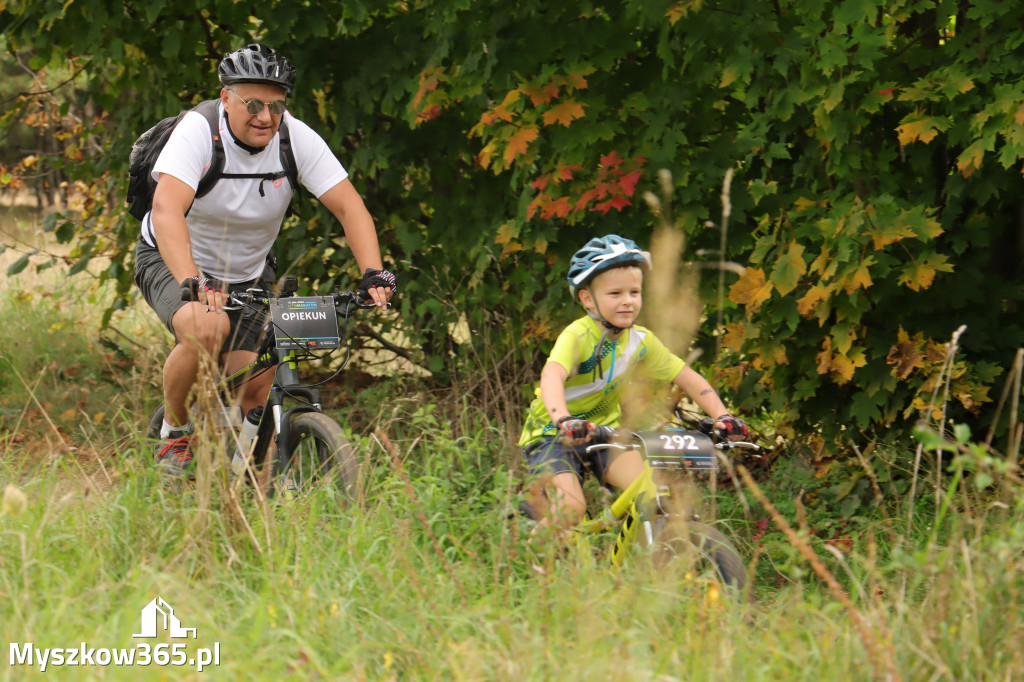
598, 376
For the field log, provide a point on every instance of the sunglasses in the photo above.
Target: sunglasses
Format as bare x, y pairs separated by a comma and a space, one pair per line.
255, 106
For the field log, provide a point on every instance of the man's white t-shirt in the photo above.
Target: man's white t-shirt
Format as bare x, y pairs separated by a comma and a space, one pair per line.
233, 228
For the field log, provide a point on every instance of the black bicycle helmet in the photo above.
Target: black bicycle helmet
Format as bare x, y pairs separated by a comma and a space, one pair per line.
256, 63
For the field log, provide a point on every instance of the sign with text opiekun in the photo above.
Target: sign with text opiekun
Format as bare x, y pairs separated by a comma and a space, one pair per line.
307, 322
157, 621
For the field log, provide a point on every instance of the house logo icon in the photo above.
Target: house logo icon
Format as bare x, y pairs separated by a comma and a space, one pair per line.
158, 615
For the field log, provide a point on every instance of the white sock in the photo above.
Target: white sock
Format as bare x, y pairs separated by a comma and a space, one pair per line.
165, 429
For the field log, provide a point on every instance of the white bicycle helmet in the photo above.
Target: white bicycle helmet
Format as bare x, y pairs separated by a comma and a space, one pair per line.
604, 253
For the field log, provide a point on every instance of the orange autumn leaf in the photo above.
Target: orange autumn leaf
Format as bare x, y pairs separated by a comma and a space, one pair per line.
565, 172
809, 303
752, 289
519, 143
905, 354
861, 277
918, 276
840, 366
576, 80
564, 113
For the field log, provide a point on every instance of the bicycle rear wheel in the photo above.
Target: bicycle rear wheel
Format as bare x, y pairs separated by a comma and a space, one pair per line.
701, 547
321, 460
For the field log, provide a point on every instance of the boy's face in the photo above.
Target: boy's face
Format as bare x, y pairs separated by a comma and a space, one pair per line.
615, 295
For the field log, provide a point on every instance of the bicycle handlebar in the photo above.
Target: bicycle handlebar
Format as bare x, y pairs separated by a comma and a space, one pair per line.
605, 436
344, 301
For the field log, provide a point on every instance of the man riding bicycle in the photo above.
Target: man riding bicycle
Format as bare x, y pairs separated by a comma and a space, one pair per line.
222, 240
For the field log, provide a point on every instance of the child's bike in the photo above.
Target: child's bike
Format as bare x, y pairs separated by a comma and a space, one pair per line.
651, 520
308, 448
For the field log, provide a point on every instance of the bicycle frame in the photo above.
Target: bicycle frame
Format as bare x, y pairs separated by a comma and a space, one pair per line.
286, 382
637, 506
633, 510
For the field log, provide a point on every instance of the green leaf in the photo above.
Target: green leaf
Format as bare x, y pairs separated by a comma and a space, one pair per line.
19, 265
789, 269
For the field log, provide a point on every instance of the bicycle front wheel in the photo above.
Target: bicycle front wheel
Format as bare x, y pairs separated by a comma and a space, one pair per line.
321, 460
700, 547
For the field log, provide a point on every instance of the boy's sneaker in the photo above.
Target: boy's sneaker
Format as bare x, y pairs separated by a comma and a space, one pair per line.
174, 454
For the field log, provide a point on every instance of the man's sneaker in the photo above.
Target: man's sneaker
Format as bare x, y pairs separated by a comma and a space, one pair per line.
174, 454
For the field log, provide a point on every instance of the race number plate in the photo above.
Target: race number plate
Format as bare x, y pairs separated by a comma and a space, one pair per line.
308, 322
678, 449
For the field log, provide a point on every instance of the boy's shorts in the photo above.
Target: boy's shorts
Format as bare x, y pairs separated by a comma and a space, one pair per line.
163, 295
549, 456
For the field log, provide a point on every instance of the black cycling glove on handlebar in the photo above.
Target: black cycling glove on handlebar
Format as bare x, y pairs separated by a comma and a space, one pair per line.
377, 278
574, 428
733, 426
193, 285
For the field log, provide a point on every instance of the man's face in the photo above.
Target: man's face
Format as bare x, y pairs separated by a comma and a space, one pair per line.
255, 130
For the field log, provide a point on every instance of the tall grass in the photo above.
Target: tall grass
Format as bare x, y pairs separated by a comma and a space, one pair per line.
431, 576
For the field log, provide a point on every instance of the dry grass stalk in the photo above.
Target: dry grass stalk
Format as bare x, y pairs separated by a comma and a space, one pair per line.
877, 648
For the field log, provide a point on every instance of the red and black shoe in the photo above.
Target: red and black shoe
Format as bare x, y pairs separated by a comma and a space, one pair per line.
174, 454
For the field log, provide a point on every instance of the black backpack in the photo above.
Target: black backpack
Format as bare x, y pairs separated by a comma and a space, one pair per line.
147, 148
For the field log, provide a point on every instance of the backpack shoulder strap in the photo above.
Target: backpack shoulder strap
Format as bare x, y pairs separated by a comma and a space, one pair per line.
210, 109
291, 169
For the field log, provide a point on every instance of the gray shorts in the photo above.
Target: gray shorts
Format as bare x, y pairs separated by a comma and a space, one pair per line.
549, 456
163, 295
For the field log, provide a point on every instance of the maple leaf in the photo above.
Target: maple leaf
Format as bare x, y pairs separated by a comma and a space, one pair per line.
565, 172
751, 290
506, 233
541, 183
735, 332
483, 159
789, 269
803, 203
519, 143
807, 304
970, 158
428, 114
905, 354
585, 198
618, 202
502, 110
429, 80
611, 160
861, 277
540, 94
559, 207
576, 80
888, 233
918, 276
565, 113
628, 182
924, 129
840, 366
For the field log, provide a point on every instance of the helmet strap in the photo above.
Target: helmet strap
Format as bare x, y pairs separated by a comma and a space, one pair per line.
595, 314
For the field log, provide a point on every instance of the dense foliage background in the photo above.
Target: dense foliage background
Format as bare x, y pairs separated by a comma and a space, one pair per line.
875, 148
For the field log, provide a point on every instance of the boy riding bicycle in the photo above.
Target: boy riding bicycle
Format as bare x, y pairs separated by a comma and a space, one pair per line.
582, 384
